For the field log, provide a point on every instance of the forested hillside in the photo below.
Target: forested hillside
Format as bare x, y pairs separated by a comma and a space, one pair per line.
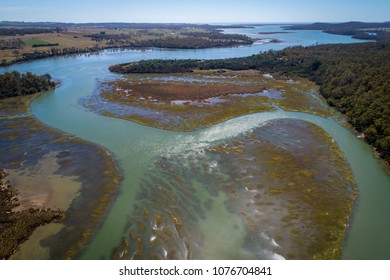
356, 29
354, 78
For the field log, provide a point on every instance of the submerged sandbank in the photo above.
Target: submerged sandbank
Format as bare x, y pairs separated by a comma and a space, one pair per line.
51, 169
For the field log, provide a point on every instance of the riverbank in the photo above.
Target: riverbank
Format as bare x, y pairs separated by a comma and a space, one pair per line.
50, 169
78, 40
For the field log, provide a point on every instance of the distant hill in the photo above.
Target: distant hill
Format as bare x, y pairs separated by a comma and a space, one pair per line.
344, 25
113, 25
356, 29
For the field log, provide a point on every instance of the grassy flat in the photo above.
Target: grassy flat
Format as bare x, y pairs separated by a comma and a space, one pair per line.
191, 101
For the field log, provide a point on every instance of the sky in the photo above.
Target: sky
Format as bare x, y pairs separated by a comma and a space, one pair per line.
198, 11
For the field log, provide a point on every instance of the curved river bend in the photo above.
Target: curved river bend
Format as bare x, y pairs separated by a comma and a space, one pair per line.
134, 146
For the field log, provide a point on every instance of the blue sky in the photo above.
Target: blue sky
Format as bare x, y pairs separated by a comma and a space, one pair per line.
199, 11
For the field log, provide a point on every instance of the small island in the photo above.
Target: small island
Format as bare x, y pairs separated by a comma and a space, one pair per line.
274, 32
190, 101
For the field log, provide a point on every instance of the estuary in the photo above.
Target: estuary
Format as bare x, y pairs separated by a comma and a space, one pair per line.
209, 193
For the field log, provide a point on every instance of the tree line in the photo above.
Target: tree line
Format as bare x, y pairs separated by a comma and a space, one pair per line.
27, 30
17, 84
112, 25
50, 53
354, 78
182, 39
185, 43
45, 45
215, 35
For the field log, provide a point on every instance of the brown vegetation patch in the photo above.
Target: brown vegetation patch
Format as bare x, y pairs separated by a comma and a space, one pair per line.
166, 92
187, 102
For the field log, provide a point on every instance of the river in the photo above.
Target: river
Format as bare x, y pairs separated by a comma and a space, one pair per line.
135, 147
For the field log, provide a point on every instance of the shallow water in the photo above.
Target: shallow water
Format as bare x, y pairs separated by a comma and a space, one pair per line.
137, 148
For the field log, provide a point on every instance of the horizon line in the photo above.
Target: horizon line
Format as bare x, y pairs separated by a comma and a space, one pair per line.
195, 23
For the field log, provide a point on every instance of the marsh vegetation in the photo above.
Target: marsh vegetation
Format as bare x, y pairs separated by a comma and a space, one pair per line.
187, 102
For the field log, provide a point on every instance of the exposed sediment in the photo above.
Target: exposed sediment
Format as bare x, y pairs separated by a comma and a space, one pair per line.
17, 226
78, 178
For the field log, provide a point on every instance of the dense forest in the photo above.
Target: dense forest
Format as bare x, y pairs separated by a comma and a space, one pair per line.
17, 84
354, 78
26, 30
180, 43
180, 39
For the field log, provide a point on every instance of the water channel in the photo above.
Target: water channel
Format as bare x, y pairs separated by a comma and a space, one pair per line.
136, 147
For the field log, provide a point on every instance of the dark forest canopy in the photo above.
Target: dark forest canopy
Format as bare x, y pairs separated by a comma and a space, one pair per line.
17, 84
182, 39
26, 30
354, 78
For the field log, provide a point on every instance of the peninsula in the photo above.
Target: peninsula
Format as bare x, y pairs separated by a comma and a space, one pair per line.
23, 41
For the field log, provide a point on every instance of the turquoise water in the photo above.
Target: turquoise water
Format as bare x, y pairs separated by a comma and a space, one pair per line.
137, 147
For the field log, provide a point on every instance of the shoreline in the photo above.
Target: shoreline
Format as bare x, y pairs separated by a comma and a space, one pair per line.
86, 40
99, 50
